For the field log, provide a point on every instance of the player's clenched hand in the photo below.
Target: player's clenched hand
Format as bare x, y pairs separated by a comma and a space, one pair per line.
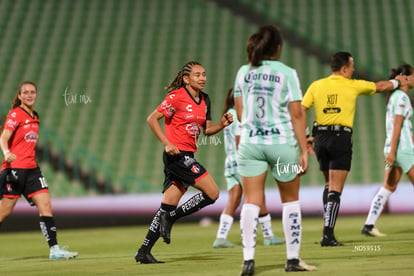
227, 119
171, 149
10, 157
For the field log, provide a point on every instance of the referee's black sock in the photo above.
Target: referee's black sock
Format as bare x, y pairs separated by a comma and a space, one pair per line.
48, 228
325, 197
192, 205
331, 214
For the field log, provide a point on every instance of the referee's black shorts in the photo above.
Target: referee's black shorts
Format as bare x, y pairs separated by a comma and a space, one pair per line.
182, 170
333, 148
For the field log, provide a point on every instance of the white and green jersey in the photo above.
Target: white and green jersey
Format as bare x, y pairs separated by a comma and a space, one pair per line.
266, 91
230, 133
399, 104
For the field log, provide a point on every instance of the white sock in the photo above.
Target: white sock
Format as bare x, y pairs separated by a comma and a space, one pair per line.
377, 205
292, 219
266, 224
248, 225
225, 224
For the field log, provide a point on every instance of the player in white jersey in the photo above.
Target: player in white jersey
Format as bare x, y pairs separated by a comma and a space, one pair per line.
234, 187
398, 149
268, 104
271, 88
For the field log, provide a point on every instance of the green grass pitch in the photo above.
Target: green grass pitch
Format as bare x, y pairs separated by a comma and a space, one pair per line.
110, 251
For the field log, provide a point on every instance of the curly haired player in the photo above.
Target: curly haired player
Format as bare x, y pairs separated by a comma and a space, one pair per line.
186, 110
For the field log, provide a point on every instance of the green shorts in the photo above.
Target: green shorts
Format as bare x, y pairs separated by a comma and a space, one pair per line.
254, 160
403, 159
232, 181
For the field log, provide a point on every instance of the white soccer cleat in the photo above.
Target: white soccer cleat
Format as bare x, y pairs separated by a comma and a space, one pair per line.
295, 265
372, 231
60, 253
376, 233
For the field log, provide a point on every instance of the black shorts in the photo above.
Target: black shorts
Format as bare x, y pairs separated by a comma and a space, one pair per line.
182, 170
333, 149
17, 182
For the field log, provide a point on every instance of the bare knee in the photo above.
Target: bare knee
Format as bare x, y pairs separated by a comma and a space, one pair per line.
214, 195
390, 188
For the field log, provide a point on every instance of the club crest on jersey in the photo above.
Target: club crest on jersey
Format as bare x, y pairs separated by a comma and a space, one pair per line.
171, 111
189, 108
195, 168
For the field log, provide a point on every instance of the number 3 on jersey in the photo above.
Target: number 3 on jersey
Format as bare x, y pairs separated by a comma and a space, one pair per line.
260, 112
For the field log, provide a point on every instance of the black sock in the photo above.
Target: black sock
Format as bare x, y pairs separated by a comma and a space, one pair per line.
153, 233
192, 205
48, 228
332, 209
167, 207
325, 197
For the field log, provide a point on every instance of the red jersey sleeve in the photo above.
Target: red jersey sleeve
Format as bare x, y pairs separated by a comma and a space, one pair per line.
167, 106
12, 121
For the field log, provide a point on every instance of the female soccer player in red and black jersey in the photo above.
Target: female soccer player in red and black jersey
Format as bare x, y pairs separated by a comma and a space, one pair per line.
19, 171
187, 111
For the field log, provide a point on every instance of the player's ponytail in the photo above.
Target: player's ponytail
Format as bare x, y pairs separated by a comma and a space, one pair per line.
263, 44
229, 101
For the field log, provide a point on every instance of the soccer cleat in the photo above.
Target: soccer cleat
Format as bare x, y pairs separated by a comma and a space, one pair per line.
298, 265
165, 226
274, 240
59, 253
371, 230
248, 268
325, 241
146, 258
222, 243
